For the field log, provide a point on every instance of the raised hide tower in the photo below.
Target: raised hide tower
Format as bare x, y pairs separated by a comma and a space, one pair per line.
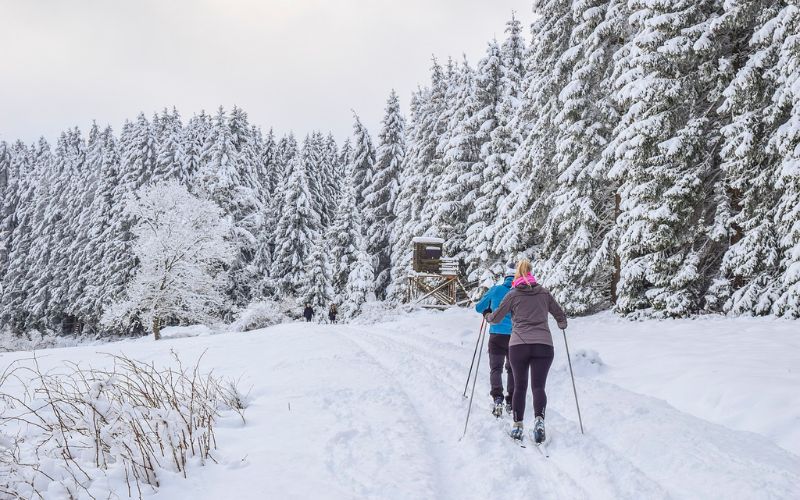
434, 281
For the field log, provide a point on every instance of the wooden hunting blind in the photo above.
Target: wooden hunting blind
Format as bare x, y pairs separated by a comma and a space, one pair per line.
427, 254
434, 281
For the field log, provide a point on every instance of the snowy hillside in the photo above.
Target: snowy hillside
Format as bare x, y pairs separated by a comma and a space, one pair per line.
692, 409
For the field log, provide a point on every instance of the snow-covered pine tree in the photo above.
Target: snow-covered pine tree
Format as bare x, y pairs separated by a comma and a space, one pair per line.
266, 172
285, 151
453, 194
785, 141
247, 152
64, 209
83, 245
345, 157
363, 161
747, 198
531, 174
117, 267
267, 166
444, 82
182, 247
578, 260
498, 139
663, 157
512, 56
360, 286
317, 289
331, 172
225, 177
423, 134
352, 266
138, 152
171, 158
344, 234
295, 232
381, 193
195, 135
19, 182
102, 158
313, 153
12, 168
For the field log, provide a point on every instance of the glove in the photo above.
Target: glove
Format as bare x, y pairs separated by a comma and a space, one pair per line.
563, 327
486, 312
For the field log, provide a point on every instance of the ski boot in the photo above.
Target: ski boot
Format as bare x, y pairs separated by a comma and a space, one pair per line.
538, 430
516, 432
497, 409
508, 407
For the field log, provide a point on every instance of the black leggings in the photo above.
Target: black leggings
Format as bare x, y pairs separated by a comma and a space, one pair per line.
537, 358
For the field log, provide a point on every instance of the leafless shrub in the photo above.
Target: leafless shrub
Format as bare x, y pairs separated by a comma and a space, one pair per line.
91, 433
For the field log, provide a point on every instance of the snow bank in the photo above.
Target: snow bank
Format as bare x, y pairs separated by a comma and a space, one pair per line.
427, 239
36, 340
261, 314
177, 332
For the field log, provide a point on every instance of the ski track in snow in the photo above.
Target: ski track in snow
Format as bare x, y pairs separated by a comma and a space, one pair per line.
646, 449
565, 479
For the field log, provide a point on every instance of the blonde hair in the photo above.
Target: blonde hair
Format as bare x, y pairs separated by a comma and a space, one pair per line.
524, 268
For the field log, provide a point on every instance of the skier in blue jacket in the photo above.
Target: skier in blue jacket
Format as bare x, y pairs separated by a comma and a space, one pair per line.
499, 335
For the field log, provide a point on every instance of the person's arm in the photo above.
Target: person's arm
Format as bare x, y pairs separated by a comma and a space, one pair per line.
485, 302
556, 311
504, 308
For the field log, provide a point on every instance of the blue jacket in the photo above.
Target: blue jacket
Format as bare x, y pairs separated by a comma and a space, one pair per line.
492, 301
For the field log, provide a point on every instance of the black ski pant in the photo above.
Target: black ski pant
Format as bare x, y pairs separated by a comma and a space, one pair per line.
537, 359
498, 356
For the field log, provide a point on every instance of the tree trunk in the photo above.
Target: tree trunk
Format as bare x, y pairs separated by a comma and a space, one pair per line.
156, 329
617, 266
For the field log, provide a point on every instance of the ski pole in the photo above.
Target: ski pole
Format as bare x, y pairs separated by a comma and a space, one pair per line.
474, 381
480, 332
574, 391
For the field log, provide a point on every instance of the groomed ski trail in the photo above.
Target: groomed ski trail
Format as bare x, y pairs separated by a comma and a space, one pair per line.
486, 452
635, 447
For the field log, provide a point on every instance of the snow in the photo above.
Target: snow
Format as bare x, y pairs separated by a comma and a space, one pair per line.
675, 409
425, 239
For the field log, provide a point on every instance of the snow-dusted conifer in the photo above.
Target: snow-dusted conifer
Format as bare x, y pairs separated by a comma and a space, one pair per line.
531, 173
170, 154
295, 232
577, 260
381, 193
344, 235
496, 147
195, 135
317, 289
661, 157
454, 194
363, 160
360, 286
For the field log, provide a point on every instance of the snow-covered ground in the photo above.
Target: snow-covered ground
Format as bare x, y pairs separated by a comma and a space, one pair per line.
702, 408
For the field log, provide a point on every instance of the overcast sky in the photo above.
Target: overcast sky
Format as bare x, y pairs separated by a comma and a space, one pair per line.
291, 64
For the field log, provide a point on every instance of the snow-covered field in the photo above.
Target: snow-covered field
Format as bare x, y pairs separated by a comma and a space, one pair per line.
704, 408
